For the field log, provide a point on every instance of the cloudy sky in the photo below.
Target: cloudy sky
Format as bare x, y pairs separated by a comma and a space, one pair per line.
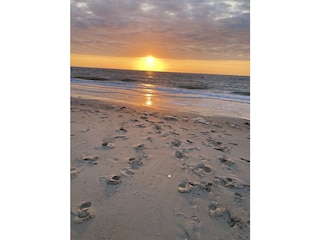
179, 30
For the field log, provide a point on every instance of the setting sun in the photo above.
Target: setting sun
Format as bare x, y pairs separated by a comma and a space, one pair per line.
149, 63
150, 60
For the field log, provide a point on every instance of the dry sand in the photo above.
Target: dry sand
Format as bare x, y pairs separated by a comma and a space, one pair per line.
144, 173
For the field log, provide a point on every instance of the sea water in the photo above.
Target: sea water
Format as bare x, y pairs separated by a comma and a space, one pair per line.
205, 94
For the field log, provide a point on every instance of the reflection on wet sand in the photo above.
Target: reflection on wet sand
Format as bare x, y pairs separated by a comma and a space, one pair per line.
148, 100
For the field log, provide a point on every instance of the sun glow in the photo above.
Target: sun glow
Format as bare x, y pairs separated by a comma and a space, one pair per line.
149, 63
150, 60
162, 64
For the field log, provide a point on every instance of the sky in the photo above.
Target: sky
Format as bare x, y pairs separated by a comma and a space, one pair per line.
181, 35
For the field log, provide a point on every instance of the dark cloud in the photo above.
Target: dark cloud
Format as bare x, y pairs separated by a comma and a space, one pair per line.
192, 29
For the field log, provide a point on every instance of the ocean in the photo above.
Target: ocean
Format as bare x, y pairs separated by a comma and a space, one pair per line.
205, 94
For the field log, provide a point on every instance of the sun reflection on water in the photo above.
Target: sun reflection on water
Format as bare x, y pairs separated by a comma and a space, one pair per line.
148, 99
149, 74
149, 92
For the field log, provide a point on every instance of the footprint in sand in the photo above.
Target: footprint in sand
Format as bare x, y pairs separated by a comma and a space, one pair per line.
189, 229
231, 183
139, 147
107, 145
140, 125
223, 149
234, 126
122, 137
74, 173
157, 127
90, 159
200, 120
122, 130
85, 130
179, 154
199, 168
237, 185
127, 172
135, 163
220, 213
111, 180
176, 143
170, 118
225, 161
218, 125
187, 187
174, 133
246, 160
234, 144
83, 213
183, 232
112, 183
238, 197
215, 143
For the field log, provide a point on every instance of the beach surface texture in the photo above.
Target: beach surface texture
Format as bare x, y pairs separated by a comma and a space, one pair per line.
139, 172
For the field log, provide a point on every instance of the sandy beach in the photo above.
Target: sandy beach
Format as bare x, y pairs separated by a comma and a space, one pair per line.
138, 172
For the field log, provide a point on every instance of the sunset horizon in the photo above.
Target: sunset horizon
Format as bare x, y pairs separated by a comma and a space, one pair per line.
235, 68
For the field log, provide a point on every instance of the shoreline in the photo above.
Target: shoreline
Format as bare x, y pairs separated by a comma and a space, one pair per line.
139, 172
152, 98
103, 103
